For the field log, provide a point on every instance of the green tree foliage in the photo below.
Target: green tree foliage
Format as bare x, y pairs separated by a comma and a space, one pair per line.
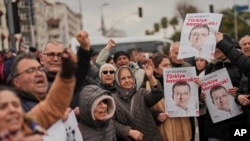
156, 27
184, 7
176, 36
227, 24
174, 22
164, 25
148, 32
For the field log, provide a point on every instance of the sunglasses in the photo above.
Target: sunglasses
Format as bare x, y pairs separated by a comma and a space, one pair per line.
110, 72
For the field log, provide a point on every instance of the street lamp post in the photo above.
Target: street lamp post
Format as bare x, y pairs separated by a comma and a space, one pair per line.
103, 29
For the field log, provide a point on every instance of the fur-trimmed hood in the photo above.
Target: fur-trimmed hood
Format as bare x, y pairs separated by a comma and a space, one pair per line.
89, 98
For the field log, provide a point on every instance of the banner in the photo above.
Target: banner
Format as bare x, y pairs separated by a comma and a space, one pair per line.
64, 131
220, 103
181, 92
198, 35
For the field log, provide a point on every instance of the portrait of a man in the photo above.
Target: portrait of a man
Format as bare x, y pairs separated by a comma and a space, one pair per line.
220, 98
198, 36
181, 95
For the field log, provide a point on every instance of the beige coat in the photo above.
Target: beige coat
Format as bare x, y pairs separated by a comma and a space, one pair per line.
173, 129
53, 107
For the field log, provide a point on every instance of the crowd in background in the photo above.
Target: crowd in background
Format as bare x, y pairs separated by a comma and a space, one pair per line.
116, 96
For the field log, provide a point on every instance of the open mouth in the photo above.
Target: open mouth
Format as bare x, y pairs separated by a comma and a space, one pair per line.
40, 82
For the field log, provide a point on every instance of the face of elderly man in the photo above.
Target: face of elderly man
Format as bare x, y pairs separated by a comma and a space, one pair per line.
51, 57
245, 45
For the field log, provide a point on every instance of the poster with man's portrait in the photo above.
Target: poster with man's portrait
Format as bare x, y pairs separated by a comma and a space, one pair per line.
181, 92
220, 103
198, 35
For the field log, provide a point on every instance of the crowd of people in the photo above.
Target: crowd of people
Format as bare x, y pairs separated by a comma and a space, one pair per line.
116, 96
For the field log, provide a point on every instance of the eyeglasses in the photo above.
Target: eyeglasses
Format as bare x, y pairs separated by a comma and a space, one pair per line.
32, 70
110, 72
52, 55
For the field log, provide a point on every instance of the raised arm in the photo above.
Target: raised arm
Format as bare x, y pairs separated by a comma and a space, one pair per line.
52, 108
105, 52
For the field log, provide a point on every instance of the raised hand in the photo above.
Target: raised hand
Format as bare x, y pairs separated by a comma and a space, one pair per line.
149, 68
83, 39
69, 63
219, 36
110, 44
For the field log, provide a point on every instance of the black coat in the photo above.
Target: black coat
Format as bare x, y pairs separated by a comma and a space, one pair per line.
221, 129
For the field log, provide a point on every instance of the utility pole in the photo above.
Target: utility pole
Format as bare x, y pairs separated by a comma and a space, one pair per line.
103, 28
11, 24
235, 22
80, 9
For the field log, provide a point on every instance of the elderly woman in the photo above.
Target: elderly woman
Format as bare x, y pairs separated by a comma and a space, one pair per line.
133, 106
96, 109
107, 77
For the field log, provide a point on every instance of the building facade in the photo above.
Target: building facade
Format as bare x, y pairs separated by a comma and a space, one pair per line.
40, 21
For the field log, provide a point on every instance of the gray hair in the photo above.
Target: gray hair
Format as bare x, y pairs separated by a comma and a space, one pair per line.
54, 42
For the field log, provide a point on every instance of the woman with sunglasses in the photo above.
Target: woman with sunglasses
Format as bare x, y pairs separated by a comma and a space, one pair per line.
107, 77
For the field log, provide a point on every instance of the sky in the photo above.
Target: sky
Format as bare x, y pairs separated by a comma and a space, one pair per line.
122, 14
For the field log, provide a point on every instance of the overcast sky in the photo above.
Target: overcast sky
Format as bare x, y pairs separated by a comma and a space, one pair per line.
153, 11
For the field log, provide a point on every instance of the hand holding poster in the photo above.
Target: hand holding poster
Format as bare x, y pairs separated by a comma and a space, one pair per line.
181, 92
220, 103
198, 35
64, 131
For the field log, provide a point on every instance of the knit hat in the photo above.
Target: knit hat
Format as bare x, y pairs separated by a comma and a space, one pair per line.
104, 66
206, 59
120, 53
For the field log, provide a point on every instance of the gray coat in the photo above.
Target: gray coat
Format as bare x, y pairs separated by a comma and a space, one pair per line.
91, 129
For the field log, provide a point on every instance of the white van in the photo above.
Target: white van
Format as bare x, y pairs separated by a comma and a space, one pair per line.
146, 43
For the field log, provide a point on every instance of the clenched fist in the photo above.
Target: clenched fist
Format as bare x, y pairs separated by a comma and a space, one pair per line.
83, 38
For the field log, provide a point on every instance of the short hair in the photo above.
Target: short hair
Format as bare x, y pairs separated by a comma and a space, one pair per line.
131, 50
199, 26
109, 59
181, 83
217, 87
52, 42
8, 88
242, 39
157, 59
173, 45
19, 57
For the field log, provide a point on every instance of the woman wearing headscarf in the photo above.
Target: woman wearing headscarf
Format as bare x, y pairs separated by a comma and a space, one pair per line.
133, 106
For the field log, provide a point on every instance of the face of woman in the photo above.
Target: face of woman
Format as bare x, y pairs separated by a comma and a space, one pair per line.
200, 63
11, 113
165, 63
108, 76
101, 110
126, 79
219, 55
